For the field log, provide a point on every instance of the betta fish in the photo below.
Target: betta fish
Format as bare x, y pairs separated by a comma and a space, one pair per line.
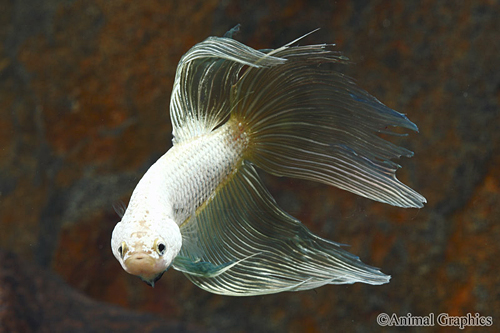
202, 207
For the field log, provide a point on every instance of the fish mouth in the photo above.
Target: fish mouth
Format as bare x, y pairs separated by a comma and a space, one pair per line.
143, 265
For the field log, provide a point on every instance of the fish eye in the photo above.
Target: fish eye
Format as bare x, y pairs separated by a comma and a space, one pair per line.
122, 249
161, 248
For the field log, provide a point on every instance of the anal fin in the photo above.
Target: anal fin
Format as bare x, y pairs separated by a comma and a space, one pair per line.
246, 245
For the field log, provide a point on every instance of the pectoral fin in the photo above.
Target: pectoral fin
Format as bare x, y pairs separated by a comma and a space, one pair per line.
200, 268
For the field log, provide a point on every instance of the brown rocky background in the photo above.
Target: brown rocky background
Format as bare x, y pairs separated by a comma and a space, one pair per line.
84, 98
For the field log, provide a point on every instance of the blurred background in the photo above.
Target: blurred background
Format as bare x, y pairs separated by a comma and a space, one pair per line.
84, 100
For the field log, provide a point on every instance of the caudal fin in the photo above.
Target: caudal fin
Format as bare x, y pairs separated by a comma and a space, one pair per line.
306, 120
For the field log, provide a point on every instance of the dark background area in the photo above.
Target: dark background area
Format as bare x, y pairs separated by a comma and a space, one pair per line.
84, 99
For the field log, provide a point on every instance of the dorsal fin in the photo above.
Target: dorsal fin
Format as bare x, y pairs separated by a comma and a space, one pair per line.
203, 81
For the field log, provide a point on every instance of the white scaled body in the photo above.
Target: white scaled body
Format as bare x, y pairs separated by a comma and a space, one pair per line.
202, 208
169, 193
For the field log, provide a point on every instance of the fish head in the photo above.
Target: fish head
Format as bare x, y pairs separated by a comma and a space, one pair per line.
146, 249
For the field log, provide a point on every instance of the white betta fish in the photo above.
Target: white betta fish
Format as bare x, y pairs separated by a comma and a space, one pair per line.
202, 208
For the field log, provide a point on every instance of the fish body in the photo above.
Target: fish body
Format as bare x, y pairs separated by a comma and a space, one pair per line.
202, 209
170, 192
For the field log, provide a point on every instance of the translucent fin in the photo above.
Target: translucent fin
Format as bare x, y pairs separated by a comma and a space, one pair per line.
120, 208
200, 268
203, 81
306, 120
233, 31
252, 247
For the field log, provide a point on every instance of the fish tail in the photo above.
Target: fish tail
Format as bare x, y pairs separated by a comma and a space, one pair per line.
306, 120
